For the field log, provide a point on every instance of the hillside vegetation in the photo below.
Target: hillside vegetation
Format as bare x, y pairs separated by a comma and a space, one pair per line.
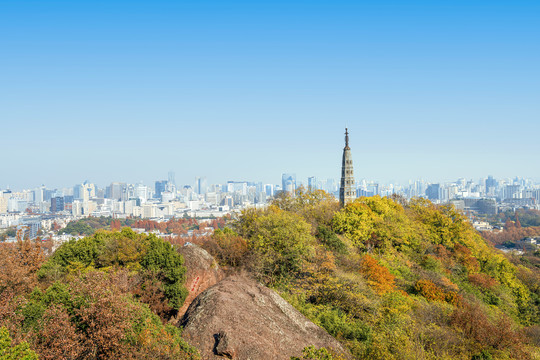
390, 279
102, 297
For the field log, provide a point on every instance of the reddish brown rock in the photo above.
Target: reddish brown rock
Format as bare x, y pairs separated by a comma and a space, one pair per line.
240, 319
202, 271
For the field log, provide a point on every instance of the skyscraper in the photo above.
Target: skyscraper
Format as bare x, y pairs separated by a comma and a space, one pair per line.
116, 190
312, 183
84, 191
57, 204
200, 185
288, 182
433, 192
347, 192
160, 187
171, 178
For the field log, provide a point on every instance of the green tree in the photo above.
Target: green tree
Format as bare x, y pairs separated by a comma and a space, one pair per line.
317, 207
331, 240
280, 240
375, 222
150, 256
162, 259
18, 352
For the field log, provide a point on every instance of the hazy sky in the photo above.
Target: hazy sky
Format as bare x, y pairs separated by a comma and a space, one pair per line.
128, 90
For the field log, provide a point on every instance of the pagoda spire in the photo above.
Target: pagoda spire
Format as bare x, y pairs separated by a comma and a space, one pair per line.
347, 191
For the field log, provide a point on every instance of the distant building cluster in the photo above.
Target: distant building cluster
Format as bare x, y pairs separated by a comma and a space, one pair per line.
486, 196
42, 208
39, 208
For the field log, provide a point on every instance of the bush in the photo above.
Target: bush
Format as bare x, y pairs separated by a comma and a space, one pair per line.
227, 247
312, 353
484, 355
377, 275
18, 352
475, 324
19, 264
331, 240
279, 241
163, 260
432, 292
315, 207
95, 314
339, 325
150, 256
483, 281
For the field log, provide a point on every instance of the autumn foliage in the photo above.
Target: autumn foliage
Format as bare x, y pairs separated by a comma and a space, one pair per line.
377, 275
482, 280
426, 265
389, 278
227, 247
85, 302
498, 334
432, 292
511, 233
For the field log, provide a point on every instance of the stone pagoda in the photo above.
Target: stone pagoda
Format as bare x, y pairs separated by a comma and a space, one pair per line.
347, 190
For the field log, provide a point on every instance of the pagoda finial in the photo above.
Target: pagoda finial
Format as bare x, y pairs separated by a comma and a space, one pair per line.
346, 137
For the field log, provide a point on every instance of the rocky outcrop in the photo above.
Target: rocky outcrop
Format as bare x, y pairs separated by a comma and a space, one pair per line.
202, 271
240, 319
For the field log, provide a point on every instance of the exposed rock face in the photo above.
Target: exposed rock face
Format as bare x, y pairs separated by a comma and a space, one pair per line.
202, 271
241, 319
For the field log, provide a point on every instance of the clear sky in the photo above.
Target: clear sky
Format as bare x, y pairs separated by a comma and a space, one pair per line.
128, 90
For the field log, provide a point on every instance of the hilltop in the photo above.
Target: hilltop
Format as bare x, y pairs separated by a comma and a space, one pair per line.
385, 277
390, 279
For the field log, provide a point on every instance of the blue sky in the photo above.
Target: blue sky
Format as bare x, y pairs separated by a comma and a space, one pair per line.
128, 90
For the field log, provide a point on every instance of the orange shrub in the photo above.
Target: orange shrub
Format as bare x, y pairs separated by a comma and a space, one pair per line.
377, 275
465, 257
498, 333
432, 292
482, 280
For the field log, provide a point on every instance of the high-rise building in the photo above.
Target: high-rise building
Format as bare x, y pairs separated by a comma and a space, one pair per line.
491, 182
17, 205
330, 186
57, 204
269, 189
3, 204
39, 194
84, 191
116, 190
240, 187
160, 187
312, 183
512, 192
200, 185
347, 192
172, 181
141, 192
166, 196
48, 194
434, 192
288, 182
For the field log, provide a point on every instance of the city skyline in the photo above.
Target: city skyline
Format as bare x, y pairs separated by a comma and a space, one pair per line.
201, 185
121, 91
301, 181
41, 206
